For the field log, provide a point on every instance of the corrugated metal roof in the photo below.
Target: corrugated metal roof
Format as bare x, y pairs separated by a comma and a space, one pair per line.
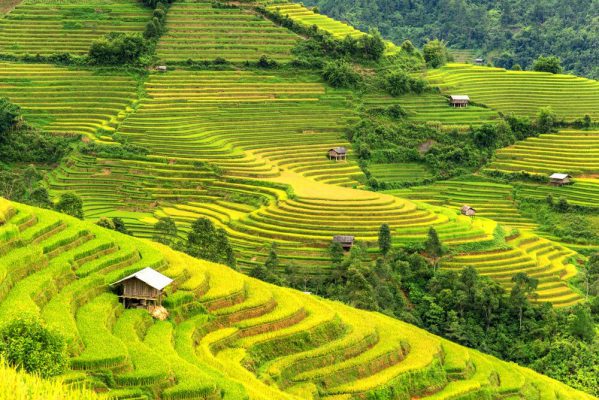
559, 176
460, 97
343, 238
339, 150
150, 277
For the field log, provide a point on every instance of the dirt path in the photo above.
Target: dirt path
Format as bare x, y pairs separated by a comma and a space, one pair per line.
8, 5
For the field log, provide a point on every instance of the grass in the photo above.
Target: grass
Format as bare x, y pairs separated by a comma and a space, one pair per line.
56, 26
239, 336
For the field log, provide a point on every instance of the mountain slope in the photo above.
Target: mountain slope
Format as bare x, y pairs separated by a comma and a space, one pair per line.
231, 336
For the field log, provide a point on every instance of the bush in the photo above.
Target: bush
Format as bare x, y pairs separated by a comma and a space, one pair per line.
9, 116
118, 48
26, 344
435, 53
70, 204
546, 120
340, 74
550, 64
399, 82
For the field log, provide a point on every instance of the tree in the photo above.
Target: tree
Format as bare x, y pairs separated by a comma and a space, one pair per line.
10, 114
550, 64
26, 343
206, 242
340, 74
435, 53
105, 223
70, 204
546, 120
118, 48
408, 47
165, 231
119, 226
523, 288
272, 261
581, 323
337, 254
433, 247
372, 45
384, 239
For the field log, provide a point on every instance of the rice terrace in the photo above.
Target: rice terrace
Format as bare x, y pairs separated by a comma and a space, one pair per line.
211, 199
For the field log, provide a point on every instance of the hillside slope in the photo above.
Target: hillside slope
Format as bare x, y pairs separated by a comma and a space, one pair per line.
229, 336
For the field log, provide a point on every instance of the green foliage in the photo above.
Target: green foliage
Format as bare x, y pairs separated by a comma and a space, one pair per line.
9, 116
165, 231
550, 64
28, 145
118, 49
340, 74
210, 243
546, 120
268, 272
517, 31
433, 246
399, 82
115, 224
384, 239
435, 53
27, 344
125, 151
71, 204
24, 185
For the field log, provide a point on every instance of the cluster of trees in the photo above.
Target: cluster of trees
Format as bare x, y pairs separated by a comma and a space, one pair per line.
204, 240
383, 135
115, 224
118, 48
26, 344
518, 30
461, 305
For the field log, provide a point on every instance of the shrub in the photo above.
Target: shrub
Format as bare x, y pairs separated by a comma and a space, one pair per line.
546, 120
435, 53
550, 64
26, 344
340, 74
9, 116
70, 204
399, 82
118, 48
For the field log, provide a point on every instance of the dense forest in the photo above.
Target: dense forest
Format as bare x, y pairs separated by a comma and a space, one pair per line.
509, 32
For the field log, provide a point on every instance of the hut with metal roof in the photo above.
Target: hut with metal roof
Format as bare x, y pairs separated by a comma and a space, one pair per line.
468, 211
459, 100
338, 153
346, 241
143, 289
559, 179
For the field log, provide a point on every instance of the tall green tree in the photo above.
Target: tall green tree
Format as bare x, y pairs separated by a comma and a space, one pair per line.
165, 231
435, 53
385, 239
10, 114
523, 289
71, 204
550, 64
433, 247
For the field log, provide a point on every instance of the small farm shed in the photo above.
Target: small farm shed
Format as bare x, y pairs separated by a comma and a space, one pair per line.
143, 288
459, 100
338, 153
161, 68
468, 211
558, 179
346, 241
479, 61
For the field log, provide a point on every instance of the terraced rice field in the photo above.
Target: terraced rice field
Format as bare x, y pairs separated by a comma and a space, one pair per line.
399, 172
434, 108
520, 92
203, 31
539, 258
46, 27
575, 152
491, 200
305, 16
254, 340
68, 101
